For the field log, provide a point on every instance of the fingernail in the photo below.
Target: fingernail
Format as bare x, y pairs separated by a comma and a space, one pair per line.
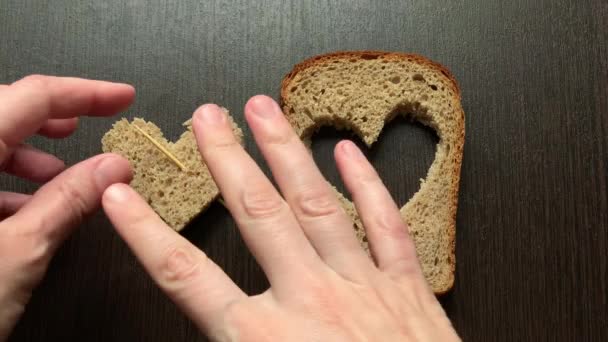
108, 171
211, 114
351, 150
263, 107
117, 193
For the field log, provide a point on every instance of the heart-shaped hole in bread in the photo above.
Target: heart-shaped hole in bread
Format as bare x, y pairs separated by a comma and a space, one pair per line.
402, 155
362, 91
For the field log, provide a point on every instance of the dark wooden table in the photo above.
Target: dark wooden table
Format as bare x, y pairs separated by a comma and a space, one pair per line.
532, 238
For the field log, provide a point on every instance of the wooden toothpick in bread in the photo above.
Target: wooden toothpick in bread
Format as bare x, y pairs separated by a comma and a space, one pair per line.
172, 177
362, 91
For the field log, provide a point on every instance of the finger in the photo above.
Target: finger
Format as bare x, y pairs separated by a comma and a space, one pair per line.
32, 164
58, 128
192, 281
28, 103
10, 202
33, 233
264, 219
64, 201
388, 237
310, 196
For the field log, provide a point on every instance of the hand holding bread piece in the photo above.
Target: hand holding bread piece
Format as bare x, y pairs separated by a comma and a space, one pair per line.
172, 177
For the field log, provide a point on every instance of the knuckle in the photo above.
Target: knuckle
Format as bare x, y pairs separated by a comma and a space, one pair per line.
75, 199
320, 293
391, 226
180, 265
28, 246
279, 137
408, 276
37, 87
262, 202
219, 148
37, 259
225, 144
34, 226
238, 321
369, 178
140, 220
236, 314
317, 202
324, 302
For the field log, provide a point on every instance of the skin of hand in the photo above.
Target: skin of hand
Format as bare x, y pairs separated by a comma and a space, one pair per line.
324, 287
33, 226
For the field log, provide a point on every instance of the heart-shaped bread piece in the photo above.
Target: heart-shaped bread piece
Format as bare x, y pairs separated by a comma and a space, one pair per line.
362, 91
171, 177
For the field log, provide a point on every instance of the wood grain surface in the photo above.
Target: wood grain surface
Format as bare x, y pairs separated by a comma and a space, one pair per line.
532, 232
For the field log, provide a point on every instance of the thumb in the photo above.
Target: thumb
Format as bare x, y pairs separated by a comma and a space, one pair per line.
29, 238
63, 202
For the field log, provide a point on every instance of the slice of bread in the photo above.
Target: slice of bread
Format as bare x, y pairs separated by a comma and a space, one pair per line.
362, 91
175, 194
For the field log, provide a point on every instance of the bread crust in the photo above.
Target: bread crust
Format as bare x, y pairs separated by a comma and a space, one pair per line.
366, 54
460, 124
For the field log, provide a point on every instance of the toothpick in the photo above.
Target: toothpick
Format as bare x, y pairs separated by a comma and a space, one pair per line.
161, 148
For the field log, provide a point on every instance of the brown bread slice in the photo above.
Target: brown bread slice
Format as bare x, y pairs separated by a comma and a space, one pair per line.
177, 196
362, 91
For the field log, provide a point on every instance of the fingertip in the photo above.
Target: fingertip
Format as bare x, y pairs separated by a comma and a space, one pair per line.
124, 165
259, 100
202, 111
119, 87
208, 117
120, 162
118, 193
261, 106
339, 148
339, 157
112, 98
59, 166
70, 126
347, 150
54, 165
128, 88
110, 169
129, 91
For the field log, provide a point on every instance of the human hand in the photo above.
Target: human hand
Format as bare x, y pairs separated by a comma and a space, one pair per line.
33, 226
323, 285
